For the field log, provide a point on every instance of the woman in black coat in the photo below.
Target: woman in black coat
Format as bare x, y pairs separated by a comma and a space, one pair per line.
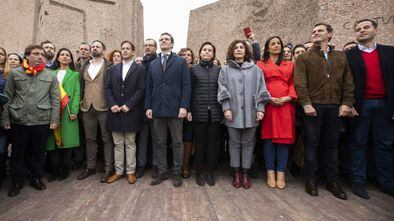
206, 113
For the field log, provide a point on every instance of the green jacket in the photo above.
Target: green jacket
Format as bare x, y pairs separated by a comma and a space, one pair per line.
69, 130
31, 100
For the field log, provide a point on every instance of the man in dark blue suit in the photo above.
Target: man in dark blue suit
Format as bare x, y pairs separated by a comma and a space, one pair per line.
166, 102
373, 71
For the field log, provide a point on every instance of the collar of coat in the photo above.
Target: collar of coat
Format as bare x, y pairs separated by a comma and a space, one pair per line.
235, 65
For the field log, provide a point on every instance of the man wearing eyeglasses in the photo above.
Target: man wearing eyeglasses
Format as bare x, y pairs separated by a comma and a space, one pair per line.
150, 48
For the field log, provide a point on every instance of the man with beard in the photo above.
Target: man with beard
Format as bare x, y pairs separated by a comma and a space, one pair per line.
49, 49
150, 47
94, 109
373, 71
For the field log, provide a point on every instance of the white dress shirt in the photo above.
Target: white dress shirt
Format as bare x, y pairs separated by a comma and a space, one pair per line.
125, 68
94, 68
366, 49
162, 56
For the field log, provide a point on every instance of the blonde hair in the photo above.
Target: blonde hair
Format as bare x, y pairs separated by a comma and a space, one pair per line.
5, 67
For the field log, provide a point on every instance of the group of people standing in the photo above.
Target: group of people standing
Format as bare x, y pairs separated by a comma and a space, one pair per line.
64, 106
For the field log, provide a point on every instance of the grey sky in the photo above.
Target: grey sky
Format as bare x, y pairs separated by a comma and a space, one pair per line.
170, 16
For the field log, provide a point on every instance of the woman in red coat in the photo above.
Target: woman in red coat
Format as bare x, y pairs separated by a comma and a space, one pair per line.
278, 124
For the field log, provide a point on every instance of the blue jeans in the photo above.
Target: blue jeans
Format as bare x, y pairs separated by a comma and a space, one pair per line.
278, 151
375, 114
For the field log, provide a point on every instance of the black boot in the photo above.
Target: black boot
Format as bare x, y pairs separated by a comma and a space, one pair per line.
64, 172
54, 173
3, 159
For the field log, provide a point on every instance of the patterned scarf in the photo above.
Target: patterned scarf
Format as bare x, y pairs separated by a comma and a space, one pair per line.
32, 70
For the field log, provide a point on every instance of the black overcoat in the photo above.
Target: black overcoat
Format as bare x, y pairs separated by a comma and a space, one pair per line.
129, 92
357, 66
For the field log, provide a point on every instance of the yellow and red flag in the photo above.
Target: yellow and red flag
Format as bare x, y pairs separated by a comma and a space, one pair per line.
64, 99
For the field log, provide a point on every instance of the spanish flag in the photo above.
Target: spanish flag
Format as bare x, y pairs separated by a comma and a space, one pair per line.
64, 99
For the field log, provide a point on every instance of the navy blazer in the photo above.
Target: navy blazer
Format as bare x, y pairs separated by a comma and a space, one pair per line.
168, 91
129, 92
357, 66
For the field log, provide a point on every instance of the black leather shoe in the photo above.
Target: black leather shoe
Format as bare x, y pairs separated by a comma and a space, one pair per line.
177, 180
311, 188
200, 179
211, 179
159, 179
140, 172
359, 190
15, 189
105, 176
155, 172
37, 184
336, 190
76, 165
86, 173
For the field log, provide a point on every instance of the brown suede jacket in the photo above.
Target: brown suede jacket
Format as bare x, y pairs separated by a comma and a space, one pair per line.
323, 81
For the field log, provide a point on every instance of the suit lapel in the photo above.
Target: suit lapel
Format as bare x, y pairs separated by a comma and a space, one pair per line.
358, 57
159, 69
119, 72
171, 60
131, 70
382, 60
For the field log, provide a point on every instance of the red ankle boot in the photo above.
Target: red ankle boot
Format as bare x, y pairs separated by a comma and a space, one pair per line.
237, 180
245, 181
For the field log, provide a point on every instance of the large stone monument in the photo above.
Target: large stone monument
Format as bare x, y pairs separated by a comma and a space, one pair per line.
224, 21
67, 23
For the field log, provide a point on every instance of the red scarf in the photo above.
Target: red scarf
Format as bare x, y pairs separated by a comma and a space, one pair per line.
33, 70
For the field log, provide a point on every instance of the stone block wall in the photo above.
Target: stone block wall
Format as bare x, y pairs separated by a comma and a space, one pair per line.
67, 23
224, 21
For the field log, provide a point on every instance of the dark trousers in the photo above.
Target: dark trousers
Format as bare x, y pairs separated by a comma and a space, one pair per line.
143, 145
322, 133
206, 136
174, 125
80, 151
375, 115
61, 157
33, 139
93, 119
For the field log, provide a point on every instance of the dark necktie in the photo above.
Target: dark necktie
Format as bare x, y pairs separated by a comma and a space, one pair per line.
164, 65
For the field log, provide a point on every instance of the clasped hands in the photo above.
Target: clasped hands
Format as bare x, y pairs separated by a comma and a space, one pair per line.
280, 101
117, 109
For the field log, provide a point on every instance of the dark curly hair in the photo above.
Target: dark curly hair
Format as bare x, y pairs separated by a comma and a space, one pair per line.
230, 51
